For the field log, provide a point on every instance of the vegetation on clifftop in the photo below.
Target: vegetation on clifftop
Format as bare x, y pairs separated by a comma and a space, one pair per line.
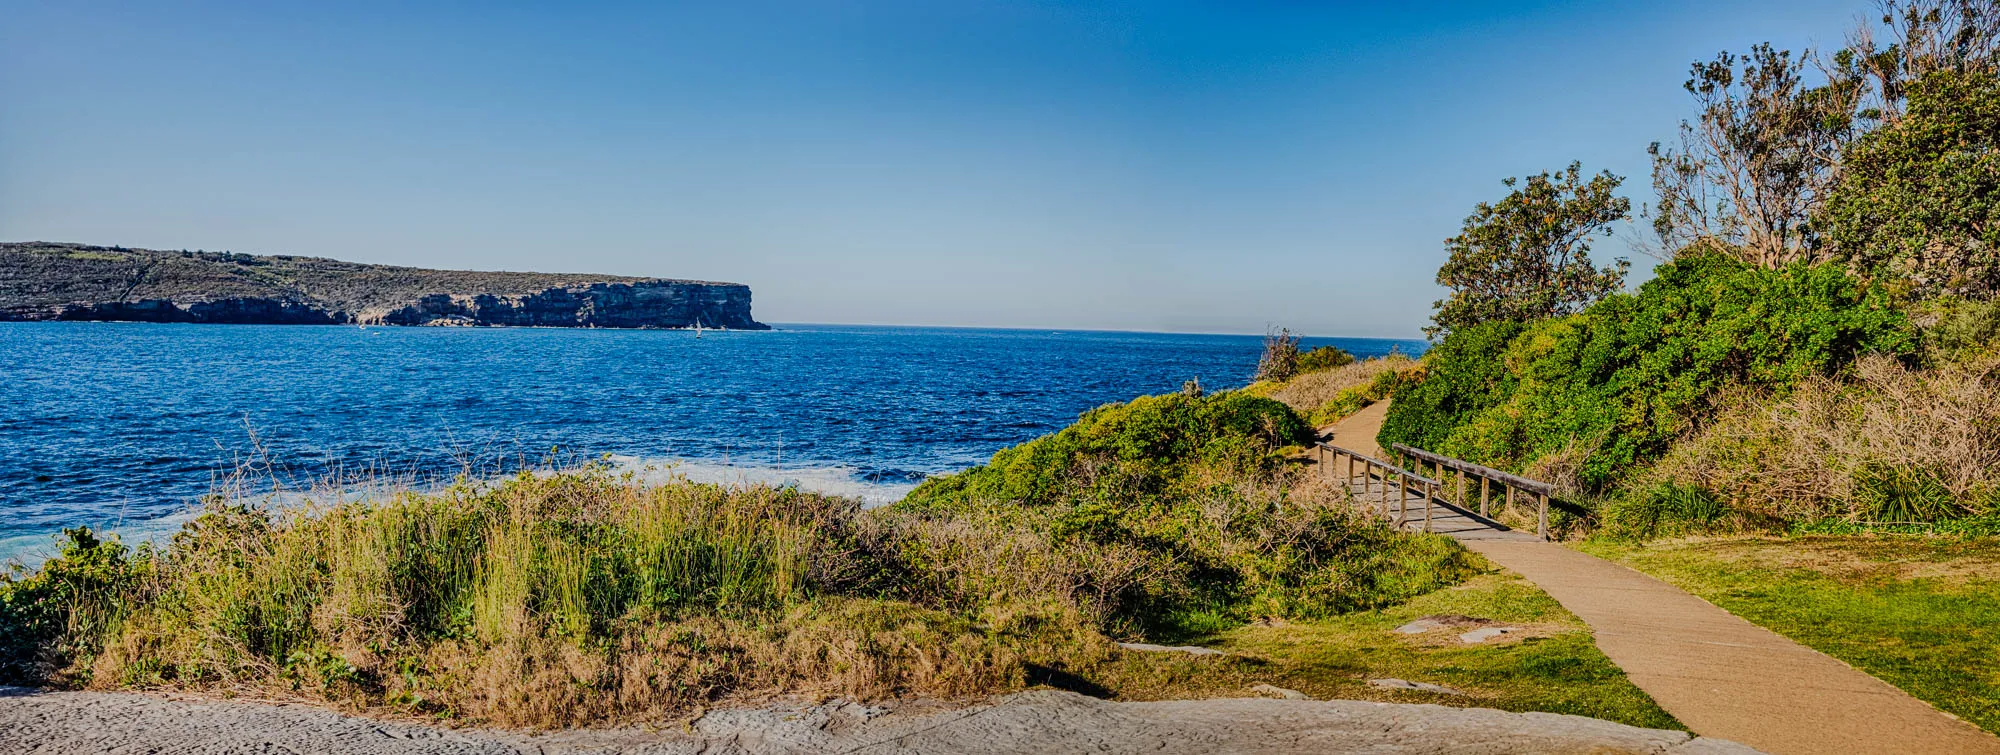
1817, 347
584, 596
41, 280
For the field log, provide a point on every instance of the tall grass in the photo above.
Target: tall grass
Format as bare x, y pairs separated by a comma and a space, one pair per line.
578, 595
1891, 444
1327, 396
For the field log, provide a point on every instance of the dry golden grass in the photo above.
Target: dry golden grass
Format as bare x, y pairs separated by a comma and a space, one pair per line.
1327, 396
1891, 444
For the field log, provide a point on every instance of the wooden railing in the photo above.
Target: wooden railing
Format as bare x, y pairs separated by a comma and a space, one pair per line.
1538, 490
1373, 469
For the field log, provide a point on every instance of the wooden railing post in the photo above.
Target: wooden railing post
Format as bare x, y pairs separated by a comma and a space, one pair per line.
1482, 496
1542, 517
1402, 499
1429, 495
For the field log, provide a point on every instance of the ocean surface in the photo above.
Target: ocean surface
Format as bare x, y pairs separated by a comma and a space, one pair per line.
125, 425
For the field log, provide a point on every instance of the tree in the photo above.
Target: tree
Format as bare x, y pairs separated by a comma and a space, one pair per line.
1924, 37
1751, 173
1919, 198
1281, 356
1750, 170
1528, 256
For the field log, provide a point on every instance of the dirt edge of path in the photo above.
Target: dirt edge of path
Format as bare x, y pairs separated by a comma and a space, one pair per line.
1037, 723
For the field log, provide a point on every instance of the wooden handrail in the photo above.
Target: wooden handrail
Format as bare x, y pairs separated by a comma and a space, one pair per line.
1509, 482
1533, 486
1386, 466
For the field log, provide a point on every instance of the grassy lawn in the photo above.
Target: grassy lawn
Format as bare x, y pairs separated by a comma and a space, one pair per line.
1555, 667
1920, 613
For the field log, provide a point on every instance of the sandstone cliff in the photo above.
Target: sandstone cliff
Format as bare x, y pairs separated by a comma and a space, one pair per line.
46, 281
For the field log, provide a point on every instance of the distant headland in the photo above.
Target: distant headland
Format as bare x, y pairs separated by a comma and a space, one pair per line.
61, 281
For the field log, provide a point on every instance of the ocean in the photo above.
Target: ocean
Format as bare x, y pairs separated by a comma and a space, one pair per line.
124, 426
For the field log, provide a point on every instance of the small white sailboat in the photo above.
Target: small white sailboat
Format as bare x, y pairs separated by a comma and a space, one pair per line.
697, 325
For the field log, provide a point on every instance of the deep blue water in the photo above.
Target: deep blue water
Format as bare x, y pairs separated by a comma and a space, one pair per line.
126, 423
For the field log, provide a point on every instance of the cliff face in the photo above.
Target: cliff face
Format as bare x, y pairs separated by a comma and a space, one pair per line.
645, 304
41, 281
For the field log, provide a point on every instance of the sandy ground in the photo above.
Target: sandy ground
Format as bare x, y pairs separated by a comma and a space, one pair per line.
1037, 723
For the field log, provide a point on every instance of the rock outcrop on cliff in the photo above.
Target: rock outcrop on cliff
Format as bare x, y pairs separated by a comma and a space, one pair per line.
47, 281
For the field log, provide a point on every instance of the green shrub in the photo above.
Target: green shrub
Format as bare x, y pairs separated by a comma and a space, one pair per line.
1918, 198
1147, 450
1464, 375
58, 615
1618, 382
1322, 358
1165, 517
1961, 329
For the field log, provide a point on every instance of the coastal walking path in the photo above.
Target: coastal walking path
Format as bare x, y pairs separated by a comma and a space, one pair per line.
1720, 675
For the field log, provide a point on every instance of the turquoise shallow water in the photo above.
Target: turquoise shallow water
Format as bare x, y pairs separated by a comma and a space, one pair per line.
127, 424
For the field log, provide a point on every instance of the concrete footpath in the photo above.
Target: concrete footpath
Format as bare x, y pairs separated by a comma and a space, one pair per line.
1725, 677
1722, 676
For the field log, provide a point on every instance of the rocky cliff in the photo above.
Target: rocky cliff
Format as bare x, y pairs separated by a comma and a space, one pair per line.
46, 281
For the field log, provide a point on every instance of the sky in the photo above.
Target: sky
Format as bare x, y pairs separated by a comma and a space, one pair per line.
1217, 167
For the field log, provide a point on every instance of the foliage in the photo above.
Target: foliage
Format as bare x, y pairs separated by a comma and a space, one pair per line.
1752, 172
1887, 444
1528, 256
1624, 378
1166, 516
1662, 510
1327, 396
54, 617
1919, 199
1280, 359
1323, 358
1959, 329
1756, 161
1147, 451
1465, 375
579, 595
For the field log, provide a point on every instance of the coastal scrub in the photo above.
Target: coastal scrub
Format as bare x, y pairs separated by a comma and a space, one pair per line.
583, 596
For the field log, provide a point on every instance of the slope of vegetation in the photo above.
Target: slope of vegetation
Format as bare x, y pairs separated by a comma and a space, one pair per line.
1169, 516
1817, 350
1327, 395
582, 596
1608, 389
37, 274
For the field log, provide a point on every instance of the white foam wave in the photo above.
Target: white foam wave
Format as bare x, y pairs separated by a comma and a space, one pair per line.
33, 548
837, 480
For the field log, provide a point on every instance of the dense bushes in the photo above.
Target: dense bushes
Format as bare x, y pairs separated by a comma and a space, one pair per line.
1608, 389
1892, 444
1323, 358
586, 596
50, 617
1918, 201
1140, 452
1165, 516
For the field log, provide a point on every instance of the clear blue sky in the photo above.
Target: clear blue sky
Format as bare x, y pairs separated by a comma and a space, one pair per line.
1208, 167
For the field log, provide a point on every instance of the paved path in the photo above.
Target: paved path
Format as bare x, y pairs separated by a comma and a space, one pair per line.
1720, 675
